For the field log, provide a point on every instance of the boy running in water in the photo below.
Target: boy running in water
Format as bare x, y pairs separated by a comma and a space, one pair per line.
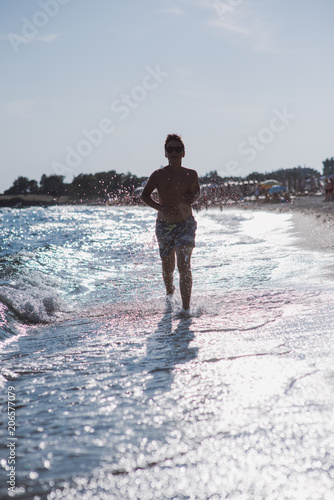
178, 188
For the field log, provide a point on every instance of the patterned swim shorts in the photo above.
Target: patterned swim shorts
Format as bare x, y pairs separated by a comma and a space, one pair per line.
175, 235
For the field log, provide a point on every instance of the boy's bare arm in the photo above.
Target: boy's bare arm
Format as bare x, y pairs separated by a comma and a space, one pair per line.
148, 190
194, 192
151, 185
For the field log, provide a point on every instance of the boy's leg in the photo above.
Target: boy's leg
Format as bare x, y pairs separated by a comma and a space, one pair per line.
168, 266
183, 254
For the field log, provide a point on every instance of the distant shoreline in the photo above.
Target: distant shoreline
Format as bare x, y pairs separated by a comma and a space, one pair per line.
45, 200
306, 203
31, 200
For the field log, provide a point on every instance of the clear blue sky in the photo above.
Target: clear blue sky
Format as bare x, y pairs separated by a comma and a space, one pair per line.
247, 83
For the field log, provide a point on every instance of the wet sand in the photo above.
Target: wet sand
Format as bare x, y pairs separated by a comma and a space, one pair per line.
313, 219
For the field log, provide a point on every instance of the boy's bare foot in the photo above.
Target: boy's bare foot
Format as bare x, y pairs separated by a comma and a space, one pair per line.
185, 313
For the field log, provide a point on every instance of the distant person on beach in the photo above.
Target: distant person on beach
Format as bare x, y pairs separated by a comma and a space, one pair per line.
329, 189
178, 188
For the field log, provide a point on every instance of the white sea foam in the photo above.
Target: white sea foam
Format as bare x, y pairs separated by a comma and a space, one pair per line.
33, 298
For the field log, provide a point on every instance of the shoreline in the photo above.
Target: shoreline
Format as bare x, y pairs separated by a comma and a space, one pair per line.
45, 200
313, 218
304, 203
31, 200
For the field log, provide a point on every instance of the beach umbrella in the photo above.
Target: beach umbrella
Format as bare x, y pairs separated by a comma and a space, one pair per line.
268, 184
276, 189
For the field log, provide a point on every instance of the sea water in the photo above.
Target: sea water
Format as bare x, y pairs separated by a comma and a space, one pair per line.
117, 396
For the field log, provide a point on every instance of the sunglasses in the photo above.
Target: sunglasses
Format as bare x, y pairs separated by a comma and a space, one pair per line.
177, 149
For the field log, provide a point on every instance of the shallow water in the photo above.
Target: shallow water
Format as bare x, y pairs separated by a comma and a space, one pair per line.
119, 397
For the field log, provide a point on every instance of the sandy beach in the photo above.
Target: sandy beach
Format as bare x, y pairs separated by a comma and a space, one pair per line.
313, 219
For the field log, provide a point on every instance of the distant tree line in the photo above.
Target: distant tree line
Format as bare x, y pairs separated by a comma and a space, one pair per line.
112, 184
101, 184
